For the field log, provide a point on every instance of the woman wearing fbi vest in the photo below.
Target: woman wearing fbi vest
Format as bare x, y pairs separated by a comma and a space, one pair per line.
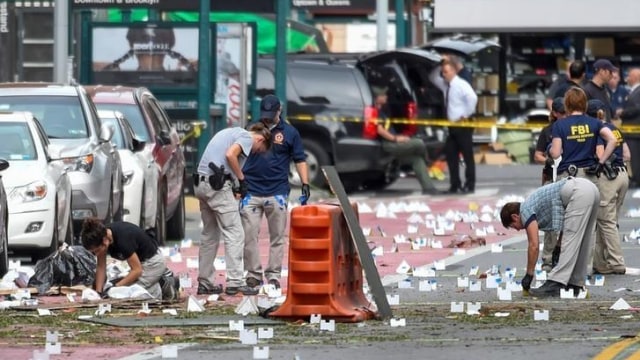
574, 138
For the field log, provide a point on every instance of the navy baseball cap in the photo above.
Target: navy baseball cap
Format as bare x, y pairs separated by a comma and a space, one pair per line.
558, 105
269, 106
604, 64
593, 106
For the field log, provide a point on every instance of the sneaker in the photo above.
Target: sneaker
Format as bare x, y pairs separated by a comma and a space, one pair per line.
253, 282
203, 290
275, 283
245, 290
550, 288
614, 271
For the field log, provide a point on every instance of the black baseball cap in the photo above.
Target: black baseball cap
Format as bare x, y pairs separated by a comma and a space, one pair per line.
269, 106
604, 64
558, 105
593, 106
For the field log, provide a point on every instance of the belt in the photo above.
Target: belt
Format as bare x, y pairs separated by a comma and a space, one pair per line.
577, 169
202, 178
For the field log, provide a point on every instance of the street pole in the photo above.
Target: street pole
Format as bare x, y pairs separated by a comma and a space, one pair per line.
401, 24
60, 41
204, 76
282, 8
382, 19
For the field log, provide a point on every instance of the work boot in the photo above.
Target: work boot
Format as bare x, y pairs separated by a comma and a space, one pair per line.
253, 282
550, 288
203, 290
245, 290
275, 283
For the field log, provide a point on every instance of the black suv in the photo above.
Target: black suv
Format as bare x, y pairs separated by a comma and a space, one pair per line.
329, 101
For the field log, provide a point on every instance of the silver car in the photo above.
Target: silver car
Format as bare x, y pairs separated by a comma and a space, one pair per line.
71, 122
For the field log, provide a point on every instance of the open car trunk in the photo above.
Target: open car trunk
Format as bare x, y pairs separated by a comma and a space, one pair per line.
478, 54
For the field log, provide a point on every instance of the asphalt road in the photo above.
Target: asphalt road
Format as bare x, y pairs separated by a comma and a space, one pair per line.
578, 329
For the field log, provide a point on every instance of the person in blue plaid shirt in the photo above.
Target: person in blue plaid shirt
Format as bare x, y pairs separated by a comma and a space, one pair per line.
569, 206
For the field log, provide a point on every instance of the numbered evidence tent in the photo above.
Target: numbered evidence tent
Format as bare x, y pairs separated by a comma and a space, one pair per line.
300, 37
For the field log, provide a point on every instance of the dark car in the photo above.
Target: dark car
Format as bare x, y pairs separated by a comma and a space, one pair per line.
329, 104
152, 125
329, 101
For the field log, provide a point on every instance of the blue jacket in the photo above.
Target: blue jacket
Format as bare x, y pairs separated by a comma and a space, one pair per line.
267, 174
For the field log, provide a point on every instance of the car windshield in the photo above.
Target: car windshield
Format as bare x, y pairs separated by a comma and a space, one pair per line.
60, 116
17, 143
118, 138
133, 115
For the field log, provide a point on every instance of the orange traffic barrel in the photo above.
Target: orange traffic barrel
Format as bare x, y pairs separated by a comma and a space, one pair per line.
325, 273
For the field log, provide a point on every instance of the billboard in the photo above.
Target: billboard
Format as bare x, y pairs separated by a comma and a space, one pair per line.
154, 56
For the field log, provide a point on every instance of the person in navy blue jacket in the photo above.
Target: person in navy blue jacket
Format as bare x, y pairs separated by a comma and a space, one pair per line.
268, 178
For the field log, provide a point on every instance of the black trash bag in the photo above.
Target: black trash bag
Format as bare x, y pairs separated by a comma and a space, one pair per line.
68, 266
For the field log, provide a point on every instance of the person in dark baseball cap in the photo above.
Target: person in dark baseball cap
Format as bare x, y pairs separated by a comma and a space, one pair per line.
593, 106
603, 64
603, 71
557, 106
270, 110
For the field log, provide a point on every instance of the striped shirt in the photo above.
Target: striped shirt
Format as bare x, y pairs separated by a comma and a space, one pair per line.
545, 206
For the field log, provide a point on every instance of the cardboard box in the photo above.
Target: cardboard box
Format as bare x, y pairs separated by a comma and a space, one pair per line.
479, 158
487, 105
497, 146
479, 82
493, 82
599, 46
498, 158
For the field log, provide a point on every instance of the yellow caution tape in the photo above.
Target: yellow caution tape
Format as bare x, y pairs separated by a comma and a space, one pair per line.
478, 123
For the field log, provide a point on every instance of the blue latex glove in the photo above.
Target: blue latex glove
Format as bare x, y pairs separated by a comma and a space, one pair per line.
306, 194
245, 201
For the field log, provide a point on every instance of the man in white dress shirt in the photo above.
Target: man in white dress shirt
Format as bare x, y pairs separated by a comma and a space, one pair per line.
460, 104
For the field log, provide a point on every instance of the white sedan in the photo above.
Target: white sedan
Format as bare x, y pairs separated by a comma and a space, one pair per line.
139, 173
37, 186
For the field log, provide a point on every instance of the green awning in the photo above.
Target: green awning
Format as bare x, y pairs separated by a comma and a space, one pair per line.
300, 37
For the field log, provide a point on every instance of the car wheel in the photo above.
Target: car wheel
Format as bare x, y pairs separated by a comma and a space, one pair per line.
53, 246
316, 159
4, 258
161, 225
175, 226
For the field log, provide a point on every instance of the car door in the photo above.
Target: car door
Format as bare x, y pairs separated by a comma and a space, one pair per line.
113, 167
59, 175
172, 153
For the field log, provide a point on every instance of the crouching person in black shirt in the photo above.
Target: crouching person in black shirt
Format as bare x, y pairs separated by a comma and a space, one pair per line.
126, 241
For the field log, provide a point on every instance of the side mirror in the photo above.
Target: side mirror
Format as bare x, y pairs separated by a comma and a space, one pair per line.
138, 145
4, 164
106, 132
